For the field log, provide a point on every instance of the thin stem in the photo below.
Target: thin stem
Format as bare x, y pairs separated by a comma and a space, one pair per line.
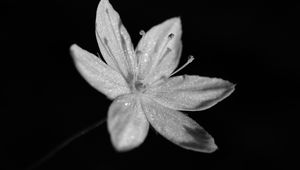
64, 144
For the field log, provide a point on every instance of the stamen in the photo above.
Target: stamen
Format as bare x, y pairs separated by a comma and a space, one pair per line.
164, 55
164, 49
170, 37
191, 58
109, 52
138, 54
127, 59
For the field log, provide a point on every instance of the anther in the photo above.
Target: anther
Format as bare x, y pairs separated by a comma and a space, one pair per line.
142, 33
165, 47
170, 36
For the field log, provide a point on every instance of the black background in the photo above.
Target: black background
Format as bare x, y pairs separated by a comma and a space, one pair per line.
254, 44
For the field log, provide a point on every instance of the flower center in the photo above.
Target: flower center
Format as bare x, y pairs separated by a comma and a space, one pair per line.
134, 84
139, 86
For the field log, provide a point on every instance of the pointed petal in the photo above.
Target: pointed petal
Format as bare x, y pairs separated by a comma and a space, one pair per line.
159, 51
98, 74
113, 39
191, 93
127, 124
178, 128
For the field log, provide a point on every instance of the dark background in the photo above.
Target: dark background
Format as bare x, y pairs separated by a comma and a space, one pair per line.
254, 44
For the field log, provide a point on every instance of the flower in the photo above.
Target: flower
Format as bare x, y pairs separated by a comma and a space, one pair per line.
141, 85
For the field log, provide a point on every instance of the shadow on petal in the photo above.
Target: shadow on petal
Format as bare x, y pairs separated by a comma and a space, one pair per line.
202, 142
229, 88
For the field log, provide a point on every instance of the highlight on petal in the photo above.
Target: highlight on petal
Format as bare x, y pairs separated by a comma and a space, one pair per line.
113, 39
158, 52
99, 75
127, 124
191, 93
178, 128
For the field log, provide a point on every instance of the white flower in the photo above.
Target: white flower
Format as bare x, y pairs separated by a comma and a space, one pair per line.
141, 85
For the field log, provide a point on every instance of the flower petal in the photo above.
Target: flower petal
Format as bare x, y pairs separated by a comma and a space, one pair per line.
178, 128
127, 124
191, 93
113, 39
159, 51
98, 74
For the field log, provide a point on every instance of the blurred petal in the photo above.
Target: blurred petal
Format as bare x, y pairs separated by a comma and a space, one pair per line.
178, 128
191, 93
113, 39
127, 124
98, 74
158, 52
